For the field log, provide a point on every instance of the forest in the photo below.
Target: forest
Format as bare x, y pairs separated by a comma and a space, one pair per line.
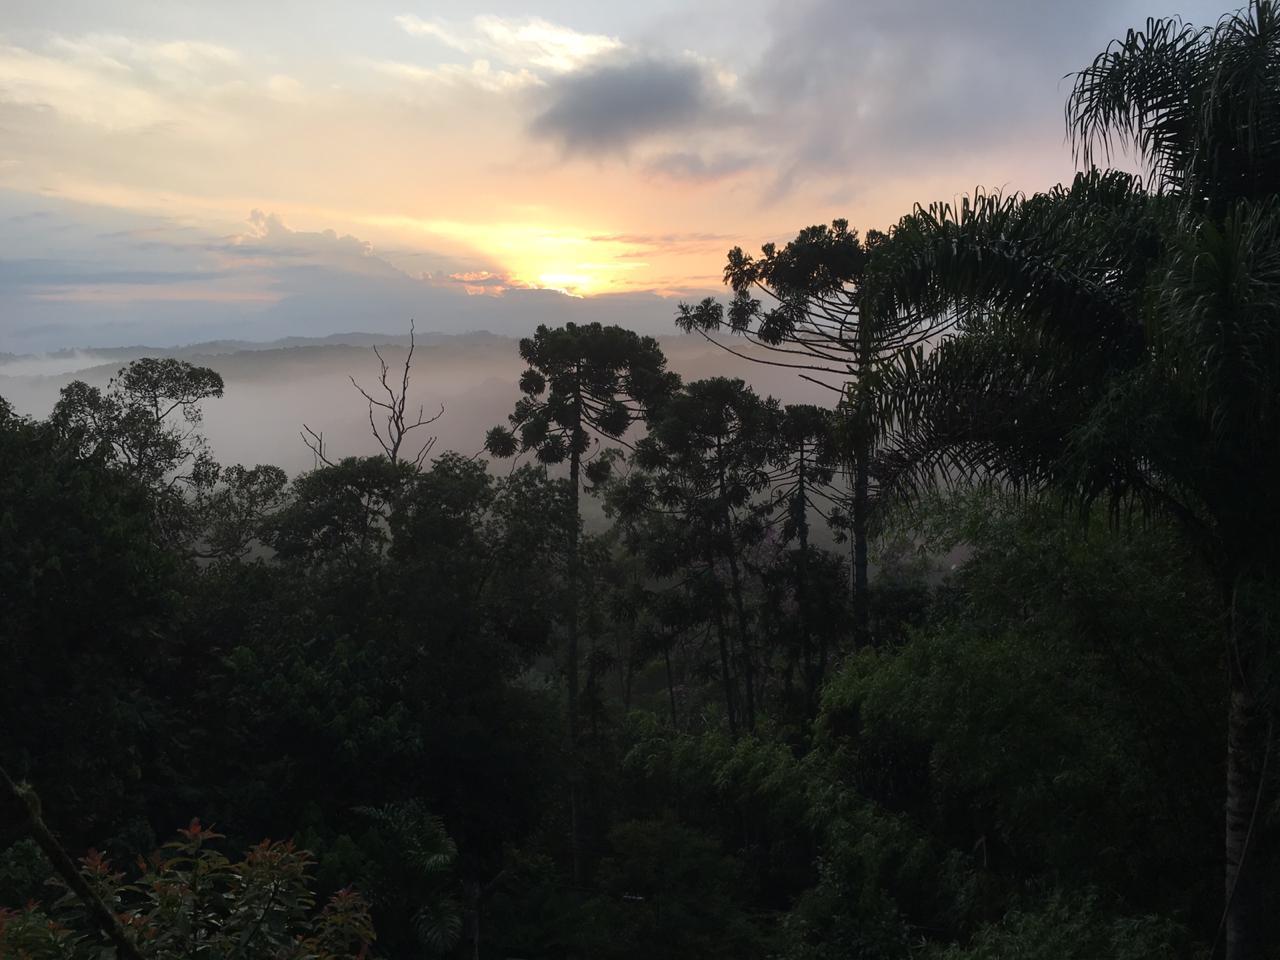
976, 661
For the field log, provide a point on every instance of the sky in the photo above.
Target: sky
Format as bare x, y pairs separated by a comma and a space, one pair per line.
175, 171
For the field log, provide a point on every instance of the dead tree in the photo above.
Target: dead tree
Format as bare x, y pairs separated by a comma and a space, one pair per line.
400, 421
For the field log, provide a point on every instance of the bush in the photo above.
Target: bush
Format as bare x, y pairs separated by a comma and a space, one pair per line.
192, 901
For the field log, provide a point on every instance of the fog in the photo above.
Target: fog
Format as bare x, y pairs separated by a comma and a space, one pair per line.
273, 389
50, 364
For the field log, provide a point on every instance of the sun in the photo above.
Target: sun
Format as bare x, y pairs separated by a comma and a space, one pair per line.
576, 260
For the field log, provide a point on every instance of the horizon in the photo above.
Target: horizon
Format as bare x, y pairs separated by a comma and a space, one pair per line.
770, 480
172, 174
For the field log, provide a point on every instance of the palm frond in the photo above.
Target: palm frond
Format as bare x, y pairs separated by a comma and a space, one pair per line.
1199, 105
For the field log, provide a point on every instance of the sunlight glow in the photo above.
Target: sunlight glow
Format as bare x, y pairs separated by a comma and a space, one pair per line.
576, 260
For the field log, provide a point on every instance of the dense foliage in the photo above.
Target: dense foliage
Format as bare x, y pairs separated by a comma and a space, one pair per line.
944, 671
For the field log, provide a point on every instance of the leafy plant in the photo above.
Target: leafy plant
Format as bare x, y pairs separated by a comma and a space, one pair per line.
191, 902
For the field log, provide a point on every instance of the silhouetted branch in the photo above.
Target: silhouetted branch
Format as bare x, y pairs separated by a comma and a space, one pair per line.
62, 863
398, 425
399, 422
315, 443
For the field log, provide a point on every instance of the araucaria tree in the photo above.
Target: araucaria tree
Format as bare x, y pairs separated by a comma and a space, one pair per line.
584, 384
823, 314
706, 463
1120, 341
803, 471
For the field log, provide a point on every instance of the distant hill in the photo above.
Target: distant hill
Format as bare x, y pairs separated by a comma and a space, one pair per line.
273, 387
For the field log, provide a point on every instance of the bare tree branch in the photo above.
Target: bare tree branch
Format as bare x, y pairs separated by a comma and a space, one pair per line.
391, 437
398, 423
315, 443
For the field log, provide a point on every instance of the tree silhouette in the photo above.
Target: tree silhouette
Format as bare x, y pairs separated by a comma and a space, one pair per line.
803, 471
1122, 343
148, 420
823, 315
706, 463
400, 421
583, 383
147, 423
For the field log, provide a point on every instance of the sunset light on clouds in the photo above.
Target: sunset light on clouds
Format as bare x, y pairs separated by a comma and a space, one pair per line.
177, 171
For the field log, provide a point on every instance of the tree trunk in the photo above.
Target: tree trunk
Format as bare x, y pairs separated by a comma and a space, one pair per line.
671, 685
735, 587
1248, 754
475, 919
575, 839
861, 474
811, 677
740, 612
861, 505
726, 672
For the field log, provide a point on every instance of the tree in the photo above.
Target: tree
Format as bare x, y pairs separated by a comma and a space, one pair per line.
400, 420
1122, 342
147, 422
581, 381
667, 890
804, 470
236, 515
420, 888
148, 419
87, 596
825, 316
706, 463
342, 512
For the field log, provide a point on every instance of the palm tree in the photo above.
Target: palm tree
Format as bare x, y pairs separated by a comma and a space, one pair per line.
1119, 340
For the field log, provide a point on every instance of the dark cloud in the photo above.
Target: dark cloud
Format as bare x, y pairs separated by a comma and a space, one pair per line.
695, 167
877, 87
609, 107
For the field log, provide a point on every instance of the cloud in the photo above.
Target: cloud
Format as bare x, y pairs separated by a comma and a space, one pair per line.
122, 84
695, 167
476, 282
45, 277
505, 54
94, 92
285, 88
267, 235
95, 276
530, 42
479, 74
609, 107
883, 89
121, 53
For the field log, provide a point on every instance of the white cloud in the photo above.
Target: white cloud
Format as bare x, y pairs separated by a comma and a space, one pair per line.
126, 53
530, 42
115, 82
285, 88
99, 93
479, 73
417, 27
